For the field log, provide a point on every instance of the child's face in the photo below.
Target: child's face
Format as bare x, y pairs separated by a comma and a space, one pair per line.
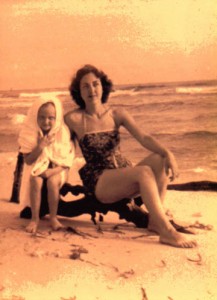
46, 117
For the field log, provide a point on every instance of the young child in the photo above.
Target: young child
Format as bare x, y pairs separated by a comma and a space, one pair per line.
48, 153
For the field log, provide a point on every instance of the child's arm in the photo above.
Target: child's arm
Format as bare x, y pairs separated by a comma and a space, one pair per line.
52, 171
42, 142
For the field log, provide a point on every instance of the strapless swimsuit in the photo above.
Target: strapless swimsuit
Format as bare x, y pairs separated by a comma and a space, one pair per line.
101, 151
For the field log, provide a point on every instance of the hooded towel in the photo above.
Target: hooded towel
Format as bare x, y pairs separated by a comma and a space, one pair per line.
61, 152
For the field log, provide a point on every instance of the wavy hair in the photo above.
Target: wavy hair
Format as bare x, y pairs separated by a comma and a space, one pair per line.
74, 87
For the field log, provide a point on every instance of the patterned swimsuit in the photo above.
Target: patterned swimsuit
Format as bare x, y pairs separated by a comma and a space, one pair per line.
101, 151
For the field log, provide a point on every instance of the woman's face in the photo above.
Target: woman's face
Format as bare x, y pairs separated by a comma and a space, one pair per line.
46, 117
91, 89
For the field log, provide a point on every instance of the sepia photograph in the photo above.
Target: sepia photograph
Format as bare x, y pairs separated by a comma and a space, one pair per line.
108, 150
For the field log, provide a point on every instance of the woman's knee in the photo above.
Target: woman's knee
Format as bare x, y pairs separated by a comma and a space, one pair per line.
158, 167
156, 162
144, 173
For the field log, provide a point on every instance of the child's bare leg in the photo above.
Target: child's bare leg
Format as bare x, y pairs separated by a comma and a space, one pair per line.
53, 186
35, 200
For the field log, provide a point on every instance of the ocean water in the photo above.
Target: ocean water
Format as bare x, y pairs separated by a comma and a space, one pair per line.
182, 116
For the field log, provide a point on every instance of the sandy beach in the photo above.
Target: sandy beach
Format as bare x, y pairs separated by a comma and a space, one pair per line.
107, 261
160, 57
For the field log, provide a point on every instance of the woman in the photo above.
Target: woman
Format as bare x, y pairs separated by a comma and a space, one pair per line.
107, 174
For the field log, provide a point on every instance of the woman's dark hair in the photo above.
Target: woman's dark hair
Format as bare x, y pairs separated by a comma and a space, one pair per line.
74, 87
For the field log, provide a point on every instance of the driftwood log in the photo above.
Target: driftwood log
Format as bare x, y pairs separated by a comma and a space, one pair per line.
89, 205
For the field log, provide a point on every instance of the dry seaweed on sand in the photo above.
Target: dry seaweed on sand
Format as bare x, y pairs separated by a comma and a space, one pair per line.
76, 255
111, 266
124, 274
71, 229
197, 260
113, 229
199, 225
127, 274
141, 236
126, 225
77, 251
144, 295
163, 263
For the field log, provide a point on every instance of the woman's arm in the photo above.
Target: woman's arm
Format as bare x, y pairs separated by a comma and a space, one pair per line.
123, 118
73, 120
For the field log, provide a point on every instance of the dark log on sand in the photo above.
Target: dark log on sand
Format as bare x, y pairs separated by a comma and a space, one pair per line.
194, 186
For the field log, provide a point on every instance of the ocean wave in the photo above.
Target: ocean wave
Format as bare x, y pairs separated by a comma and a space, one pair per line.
16, 118
196, 90
46, 94
173, 134
198, 170
201, 133
167, 103
124, 92
15, 104
9, 94
11, 124
140, 86
165, 91
134, 92
210, 116
9, 142
8, 157
200, 87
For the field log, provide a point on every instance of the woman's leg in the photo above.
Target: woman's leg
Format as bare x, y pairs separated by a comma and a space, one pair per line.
35, 200
127, 182
157, 164
53, 187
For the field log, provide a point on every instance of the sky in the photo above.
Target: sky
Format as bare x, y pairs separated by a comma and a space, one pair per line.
43, 42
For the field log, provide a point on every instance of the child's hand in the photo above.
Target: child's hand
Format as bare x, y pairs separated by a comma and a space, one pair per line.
44, 141
52, 171
46, 174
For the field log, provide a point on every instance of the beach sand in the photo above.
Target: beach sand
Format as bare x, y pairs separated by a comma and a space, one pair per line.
124, 263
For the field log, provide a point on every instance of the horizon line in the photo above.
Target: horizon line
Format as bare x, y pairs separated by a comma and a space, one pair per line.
117, 84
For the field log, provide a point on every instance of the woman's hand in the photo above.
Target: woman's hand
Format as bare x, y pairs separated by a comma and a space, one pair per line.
171, 166
122, 117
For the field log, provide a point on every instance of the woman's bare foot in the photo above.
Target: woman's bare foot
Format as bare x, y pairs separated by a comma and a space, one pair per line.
32, 227
152, 226
55, 224
171, 237
176, 239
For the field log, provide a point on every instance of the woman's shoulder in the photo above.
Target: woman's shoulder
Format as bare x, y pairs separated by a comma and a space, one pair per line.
73, 119
119, 112
73, 115
119, 115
